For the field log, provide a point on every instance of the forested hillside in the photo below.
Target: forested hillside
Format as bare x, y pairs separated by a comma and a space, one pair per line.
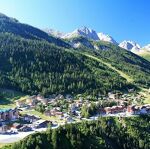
106, 133
33, 66
33, 62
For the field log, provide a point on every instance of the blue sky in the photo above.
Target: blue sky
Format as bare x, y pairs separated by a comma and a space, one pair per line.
122, 19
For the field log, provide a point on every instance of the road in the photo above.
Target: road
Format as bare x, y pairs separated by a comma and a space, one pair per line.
4, 139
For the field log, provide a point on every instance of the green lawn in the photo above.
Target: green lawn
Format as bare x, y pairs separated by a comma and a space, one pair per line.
147, 57
8, 106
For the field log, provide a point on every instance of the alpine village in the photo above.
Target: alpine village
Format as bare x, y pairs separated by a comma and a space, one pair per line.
79, 90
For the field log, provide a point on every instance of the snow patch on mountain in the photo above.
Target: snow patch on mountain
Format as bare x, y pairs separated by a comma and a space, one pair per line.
130, 46
84, 31
107, 38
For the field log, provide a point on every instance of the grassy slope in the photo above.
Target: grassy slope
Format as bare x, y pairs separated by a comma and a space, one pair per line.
146, 55
122, 74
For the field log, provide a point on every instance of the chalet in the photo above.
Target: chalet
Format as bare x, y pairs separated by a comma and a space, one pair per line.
132, 109
42, 124
31, 101
3, 129
113, 110
30, 118
107, 110
8, 114
118, 109
25, 128
79, 103
145, 109
16, 125
39, 97
44, 101
53, 112
20, 103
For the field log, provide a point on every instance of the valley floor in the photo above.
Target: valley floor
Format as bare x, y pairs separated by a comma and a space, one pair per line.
6, 139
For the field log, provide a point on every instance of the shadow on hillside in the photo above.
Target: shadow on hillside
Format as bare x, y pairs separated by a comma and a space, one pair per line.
5, 102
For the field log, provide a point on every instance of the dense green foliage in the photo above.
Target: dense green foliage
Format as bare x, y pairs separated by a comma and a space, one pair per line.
93, 109
105, 133
36, 66
87, 111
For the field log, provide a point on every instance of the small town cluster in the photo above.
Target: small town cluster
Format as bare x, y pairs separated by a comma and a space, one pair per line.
34, 112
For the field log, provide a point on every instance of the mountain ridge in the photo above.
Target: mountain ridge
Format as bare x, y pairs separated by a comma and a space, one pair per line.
87, 32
